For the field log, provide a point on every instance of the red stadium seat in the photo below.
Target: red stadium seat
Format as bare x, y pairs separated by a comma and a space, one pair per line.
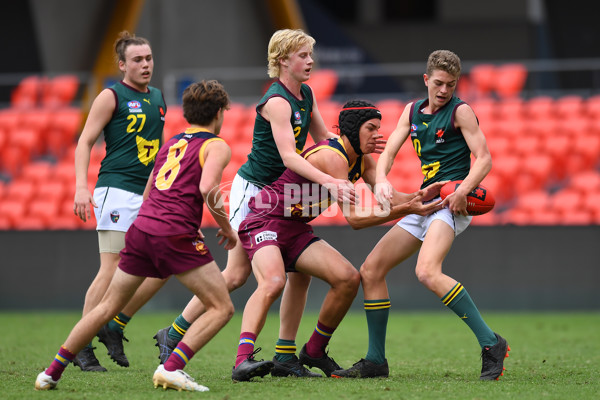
539, 168
559, 147
540, 108
12, 160
12, 210
53, 190
10, 118
534, 200
566, 202
510, 80
5, 223
585, 182
28, 140
27, 93
488, 219
330, 111
60, 91
45, 209
586, 153
570, 106
64, 172
391, 109
483, 77
20, 190
486, 111
323, 82
510, 109
592, 107
36, 172
30, 223
499, 145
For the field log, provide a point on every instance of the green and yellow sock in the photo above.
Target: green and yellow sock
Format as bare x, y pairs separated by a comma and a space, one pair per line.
179, 328
119, 323
377, 312
459, 301
285, 350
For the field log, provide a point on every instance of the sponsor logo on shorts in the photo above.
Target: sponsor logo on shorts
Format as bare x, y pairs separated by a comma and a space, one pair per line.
200, 246
265, 235
114, 216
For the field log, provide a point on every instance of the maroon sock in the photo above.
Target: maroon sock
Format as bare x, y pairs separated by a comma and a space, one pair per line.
319, 340
179, 357
60, 362
245, 347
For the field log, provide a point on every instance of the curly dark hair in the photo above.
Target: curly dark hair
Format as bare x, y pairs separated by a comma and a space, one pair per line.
203, 100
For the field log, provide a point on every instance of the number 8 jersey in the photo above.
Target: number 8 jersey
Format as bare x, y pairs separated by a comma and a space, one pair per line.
174, 205
133, 137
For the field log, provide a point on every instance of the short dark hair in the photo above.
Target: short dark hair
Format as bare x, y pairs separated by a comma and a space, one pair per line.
203, 100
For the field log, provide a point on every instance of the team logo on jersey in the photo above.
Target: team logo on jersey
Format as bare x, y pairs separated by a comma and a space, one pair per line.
200, 246
265, 235
439, 136
147, 149
297, 118
162, 113
114, 216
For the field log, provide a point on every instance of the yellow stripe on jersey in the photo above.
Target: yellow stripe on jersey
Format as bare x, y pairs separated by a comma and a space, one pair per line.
201, 153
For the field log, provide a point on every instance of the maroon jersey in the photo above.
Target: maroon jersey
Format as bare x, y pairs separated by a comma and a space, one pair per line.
174, 205
294, 197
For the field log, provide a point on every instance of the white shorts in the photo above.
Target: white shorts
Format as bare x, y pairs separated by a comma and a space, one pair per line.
418, 225
239, 196
116, 209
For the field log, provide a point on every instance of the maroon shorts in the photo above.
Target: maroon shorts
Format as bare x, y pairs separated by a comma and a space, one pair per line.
162, 256
292, 238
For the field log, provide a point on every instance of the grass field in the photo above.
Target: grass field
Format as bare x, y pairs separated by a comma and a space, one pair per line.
431, 356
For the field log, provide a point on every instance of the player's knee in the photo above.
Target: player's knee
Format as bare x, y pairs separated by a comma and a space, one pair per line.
227, 310
235, 277
236, 282
272, 287
348, 278
425, 275
369, 272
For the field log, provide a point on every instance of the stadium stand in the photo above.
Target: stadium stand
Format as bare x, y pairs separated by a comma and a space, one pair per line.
540, 175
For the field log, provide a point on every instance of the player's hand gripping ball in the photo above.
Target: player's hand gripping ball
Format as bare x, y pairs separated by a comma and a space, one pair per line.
479, 201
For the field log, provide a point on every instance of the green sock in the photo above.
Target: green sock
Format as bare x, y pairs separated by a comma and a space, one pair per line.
119, 322
377, 312
285, 350
459, 301
179, 328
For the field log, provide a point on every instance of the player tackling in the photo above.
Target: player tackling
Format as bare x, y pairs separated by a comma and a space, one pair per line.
445, 133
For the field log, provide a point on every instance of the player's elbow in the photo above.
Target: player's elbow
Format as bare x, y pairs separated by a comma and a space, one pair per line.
356, 223
208, 187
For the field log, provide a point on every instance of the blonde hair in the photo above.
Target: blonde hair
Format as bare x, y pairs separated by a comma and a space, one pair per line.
444, 60
282, 44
